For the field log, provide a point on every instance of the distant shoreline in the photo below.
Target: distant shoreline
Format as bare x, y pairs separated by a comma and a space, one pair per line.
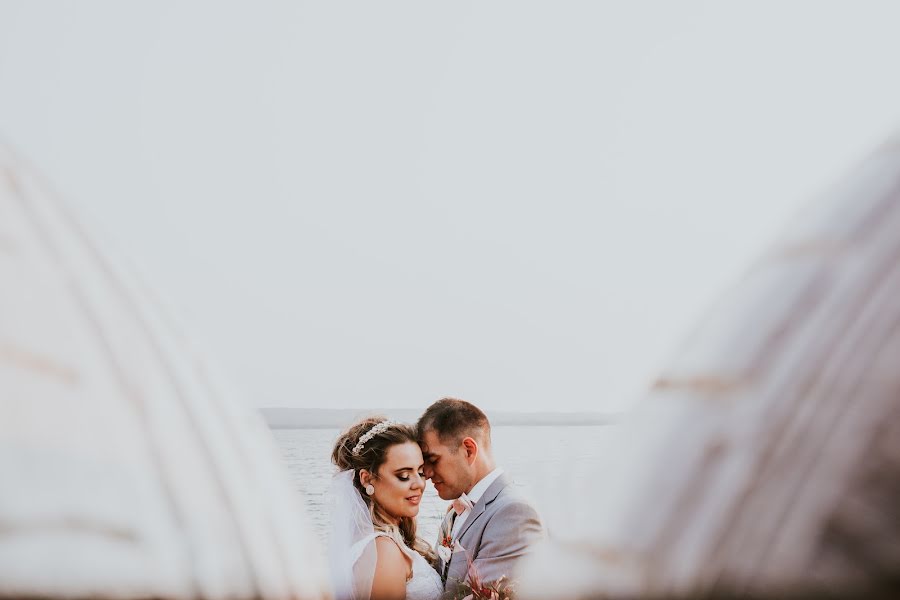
328, 418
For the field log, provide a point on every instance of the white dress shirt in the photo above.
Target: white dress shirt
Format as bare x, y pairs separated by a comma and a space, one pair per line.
477, 491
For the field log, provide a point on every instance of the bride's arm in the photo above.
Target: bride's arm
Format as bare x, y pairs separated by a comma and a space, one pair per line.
391, 571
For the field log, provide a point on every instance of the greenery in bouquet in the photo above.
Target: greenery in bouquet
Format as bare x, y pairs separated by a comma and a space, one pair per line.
474, 588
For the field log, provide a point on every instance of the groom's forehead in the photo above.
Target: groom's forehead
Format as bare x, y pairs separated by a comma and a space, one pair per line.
430, 443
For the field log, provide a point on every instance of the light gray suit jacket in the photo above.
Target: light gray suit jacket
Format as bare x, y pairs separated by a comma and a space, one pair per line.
499, 531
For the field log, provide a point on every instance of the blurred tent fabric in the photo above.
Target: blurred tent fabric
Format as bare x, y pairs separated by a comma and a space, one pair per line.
126, 469
765, 461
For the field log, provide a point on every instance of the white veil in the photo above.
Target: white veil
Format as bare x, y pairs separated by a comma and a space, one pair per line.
351, 551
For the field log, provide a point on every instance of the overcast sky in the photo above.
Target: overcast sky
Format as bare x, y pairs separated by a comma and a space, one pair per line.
379, 204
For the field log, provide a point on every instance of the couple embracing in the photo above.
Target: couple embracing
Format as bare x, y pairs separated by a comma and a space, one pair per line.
375, 553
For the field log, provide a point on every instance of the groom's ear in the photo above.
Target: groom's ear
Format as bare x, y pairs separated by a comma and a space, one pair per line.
471, 448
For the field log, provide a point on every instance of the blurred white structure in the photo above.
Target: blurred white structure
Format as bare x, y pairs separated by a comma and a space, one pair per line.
125, 469
766, 458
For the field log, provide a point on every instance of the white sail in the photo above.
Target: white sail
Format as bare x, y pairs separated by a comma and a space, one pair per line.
766, 458
126, 470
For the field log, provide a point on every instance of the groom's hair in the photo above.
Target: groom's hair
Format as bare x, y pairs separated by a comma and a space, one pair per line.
453, 420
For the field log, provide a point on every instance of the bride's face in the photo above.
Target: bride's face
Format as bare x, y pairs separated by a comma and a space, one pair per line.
400, 481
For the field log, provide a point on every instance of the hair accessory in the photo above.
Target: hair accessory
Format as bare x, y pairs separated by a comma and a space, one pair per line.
379, 428
370, 489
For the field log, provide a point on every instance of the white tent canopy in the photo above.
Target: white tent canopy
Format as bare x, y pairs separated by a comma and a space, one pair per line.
766, 458
126, 468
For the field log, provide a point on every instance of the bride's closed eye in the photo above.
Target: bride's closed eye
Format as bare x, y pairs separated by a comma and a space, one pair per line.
406, 477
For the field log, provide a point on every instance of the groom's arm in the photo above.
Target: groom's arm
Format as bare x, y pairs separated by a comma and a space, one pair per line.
508, 536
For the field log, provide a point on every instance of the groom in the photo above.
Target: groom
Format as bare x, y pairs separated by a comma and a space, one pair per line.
489, 524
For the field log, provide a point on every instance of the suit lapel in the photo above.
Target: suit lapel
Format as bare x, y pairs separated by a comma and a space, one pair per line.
487, 497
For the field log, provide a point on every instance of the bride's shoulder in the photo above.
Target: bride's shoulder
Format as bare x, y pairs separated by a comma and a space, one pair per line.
388, 544
393, 570
391, 548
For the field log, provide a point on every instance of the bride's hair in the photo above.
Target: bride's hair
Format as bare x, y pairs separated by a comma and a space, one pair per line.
370, 458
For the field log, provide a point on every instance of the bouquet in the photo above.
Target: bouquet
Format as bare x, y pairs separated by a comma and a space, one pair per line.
474, 588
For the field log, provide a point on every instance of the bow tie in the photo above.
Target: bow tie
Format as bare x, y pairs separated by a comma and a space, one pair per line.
462, 504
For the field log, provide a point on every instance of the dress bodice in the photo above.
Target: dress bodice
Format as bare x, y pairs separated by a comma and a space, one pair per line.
425, 583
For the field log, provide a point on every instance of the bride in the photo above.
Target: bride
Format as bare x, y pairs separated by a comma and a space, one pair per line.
374, 552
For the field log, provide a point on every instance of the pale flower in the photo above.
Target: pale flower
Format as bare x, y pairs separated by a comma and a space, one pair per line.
444, 552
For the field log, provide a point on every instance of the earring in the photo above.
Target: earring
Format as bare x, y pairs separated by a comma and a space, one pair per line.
370, 489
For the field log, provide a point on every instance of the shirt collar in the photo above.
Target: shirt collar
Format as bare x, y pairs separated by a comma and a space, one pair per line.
481, 487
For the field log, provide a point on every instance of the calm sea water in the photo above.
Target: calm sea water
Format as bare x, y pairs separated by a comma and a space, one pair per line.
542, 461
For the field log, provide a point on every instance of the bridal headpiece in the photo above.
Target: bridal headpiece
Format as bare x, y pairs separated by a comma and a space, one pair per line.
379, 428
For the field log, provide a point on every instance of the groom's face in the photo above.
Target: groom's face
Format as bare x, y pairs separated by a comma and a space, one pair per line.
446, 466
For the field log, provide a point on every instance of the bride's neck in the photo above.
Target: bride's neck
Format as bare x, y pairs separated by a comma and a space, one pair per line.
388, 519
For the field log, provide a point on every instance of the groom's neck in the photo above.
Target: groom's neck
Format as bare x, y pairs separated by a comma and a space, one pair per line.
483, 467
